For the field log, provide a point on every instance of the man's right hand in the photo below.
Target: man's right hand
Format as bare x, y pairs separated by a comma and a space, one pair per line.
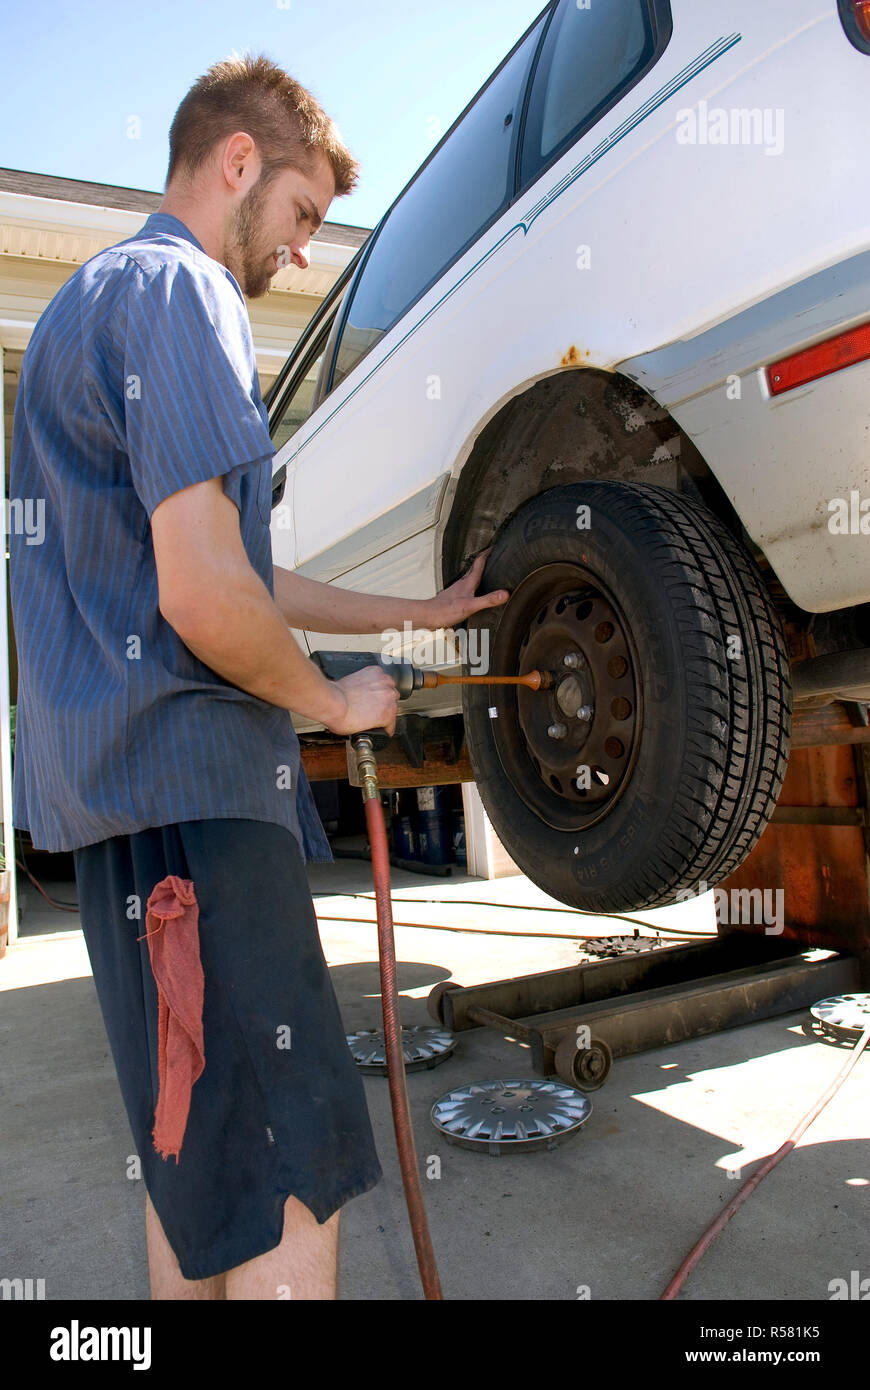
371, 700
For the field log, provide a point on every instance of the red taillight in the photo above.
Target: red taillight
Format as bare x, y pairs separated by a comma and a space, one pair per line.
855, 18
831, 356
861, 12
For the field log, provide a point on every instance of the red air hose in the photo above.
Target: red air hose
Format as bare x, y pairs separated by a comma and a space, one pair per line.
395, 1058
741, 1195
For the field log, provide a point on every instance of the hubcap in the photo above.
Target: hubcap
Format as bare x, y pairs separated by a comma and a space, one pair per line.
568, 750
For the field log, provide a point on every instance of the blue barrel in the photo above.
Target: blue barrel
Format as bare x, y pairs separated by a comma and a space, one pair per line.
404, 837
457, 821
405, 843
434, 825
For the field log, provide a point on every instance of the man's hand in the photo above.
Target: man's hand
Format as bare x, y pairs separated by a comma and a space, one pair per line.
458, 602
371, 699
315, 607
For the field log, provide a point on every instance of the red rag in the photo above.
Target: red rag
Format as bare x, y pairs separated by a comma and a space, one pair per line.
172, 930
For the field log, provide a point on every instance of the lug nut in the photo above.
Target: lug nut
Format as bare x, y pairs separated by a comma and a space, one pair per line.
571, 660
585, 712
557, 731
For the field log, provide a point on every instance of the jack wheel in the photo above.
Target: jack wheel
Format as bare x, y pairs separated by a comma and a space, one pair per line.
587, 1068
434, 1000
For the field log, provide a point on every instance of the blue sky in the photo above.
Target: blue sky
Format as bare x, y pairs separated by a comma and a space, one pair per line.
393, 74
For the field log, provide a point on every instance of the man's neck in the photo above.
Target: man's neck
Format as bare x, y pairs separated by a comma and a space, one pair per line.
197, 218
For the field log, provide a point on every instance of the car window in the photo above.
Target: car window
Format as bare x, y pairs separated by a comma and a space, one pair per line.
589, 58
456, 195
296, 407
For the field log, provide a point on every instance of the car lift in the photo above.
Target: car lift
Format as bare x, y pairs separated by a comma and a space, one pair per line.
815, 850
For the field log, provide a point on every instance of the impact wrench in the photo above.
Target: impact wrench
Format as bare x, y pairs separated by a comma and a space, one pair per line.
407, 679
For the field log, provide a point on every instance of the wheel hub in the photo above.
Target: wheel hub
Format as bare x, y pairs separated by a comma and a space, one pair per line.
569, 749
572, 695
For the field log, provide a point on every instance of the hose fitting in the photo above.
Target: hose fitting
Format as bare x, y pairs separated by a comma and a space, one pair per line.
367, 765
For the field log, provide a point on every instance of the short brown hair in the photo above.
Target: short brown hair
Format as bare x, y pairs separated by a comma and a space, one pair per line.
251, 93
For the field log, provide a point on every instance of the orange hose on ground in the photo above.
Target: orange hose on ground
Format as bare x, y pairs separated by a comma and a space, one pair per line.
395, 1059
741, 1195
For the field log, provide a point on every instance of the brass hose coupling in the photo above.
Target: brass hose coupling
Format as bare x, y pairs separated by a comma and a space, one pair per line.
367, 765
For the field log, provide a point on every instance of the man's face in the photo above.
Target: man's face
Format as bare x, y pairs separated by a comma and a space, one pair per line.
271, 227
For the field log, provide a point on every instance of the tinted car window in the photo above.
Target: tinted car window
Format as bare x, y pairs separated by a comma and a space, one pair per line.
588, 59
455, 196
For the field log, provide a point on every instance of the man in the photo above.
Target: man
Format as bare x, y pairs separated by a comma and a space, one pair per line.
157, 673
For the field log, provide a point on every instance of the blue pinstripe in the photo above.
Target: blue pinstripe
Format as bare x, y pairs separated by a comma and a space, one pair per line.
139, 380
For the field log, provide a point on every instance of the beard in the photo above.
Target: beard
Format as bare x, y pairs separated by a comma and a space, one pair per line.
245, 258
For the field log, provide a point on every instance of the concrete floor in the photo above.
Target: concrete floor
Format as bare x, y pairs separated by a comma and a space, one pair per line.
607, 1215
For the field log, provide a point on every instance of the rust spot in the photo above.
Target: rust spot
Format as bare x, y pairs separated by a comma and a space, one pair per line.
572, 357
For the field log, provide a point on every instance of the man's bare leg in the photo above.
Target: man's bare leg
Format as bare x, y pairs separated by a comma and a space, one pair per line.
303, 1266
167, 1281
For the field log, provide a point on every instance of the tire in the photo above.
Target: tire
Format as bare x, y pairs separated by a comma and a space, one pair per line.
676, 713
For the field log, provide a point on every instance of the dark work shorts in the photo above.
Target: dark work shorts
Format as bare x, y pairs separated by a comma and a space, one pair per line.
266, 1121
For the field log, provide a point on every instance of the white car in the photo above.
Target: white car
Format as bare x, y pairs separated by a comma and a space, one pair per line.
616, 327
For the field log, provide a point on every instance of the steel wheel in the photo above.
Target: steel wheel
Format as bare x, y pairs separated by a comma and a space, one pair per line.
569, 750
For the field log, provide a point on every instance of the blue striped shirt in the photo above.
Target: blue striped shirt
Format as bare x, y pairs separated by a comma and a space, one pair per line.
139, 380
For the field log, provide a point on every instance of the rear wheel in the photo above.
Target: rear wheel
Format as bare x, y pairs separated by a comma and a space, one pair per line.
654, 762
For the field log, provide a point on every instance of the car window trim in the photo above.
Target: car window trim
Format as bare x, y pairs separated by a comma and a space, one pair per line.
662, 25
527, 97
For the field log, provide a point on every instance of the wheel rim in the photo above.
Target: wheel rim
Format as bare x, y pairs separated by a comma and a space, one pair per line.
592, 1066
569, 750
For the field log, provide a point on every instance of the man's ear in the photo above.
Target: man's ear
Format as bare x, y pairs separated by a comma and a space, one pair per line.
239, 158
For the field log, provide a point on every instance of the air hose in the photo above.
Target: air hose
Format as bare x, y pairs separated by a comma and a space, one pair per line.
363, 747
745, 1191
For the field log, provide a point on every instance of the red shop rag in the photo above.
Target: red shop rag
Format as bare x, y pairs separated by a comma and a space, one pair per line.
172, 931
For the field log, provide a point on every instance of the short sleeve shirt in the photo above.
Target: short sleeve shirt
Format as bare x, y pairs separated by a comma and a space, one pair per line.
139, 380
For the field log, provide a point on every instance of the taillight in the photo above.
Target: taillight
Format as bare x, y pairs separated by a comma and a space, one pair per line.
855, 15
831, 356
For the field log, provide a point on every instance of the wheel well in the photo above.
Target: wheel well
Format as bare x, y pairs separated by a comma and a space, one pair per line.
570, 427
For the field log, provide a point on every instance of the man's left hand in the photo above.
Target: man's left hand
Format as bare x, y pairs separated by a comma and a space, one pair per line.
457, 602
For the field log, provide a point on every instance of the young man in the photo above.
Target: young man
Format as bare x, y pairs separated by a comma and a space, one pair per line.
156, 676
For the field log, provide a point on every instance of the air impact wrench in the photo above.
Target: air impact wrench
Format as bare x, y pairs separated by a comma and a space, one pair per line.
408, 679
